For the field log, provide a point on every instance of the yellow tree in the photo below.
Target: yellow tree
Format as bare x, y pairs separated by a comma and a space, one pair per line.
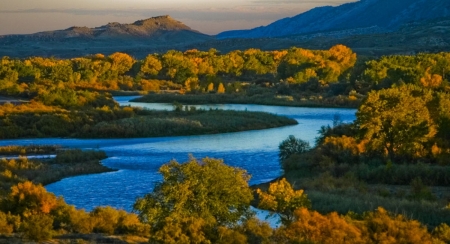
152, 65
121, 62
281, 199
221, 88
196, 196
397, 120
27, 199
312, 227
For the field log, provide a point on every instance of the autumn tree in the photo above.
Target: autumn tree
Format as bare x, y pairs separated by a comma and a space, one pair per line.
397, 120
27, 199
281, 199
312, 227
121, 62
382, 227
199, 194
151, 65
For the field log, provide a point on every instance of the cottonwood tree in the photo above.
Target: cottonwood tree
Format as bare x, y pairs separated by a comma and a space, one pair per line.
194, 199
397, 120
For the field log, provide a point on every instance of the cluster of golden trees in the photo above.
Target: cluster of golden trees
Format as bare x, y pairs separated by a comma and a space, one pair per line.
191, 70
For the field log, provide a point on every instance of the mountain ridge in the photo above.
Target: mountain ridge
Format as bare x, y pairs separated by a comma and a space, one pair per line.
156, 34
387, 15
146, 28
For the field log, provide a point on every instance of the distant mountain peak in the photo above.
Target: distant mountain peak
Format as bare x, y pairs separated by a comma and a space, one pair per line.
156, 33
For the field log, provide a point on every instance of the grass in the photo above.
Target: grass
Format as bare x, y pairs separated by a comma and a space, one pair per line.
67, 163
182, 123
29, 150
262, 99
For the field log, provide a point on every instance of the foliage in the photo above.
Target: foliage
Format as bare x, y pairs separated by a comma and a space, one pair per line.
191, 122
292, 146
397, 121
205, 190
38, 227
382, 228
27, 199
442, 232
282, 200
8, 223
312, 227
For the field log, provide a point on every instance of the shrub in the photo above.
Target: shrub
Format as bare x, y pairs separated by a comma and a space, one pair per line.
8, 223
312, 227
38, 227
292, 146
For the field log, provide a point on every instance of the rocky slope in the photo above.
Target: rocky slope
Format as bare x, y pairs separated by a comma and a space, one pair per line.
375, 16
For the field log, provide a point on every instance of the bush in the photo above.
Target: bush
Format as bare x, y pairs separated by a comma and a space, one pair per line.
442, 232
38, 227
8, 223
292, 146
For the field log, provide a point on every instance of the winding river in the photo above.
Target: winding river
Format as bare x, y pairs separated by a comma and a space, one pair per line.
138, 159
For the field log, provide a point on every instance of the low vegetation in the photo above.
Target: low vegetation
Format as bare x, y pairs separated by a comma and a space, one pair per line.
46, 170
188, 122
394, 155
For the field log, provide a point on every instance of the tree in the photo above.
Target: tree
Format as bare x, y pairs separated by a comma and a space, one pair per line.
151, 65
221, 89
121, 62
27, 199
283, 200
206, 190
291, 146
396, 120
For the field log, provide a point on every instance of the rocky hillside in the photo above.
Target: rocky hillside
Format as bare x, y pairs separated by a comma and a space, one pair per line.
149, 35
374, 16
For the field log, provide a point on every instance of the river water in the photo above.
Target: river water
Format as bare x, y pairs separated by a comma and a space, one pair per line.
138, 159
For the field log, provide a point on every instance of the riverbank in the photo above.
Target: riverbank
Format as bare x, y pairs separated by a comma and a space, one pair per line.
259, 99
47, 170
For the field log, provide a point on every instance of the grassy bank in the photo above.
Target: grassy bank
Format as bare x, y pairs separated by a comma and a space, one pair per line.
261, 99
182, 123
44, 171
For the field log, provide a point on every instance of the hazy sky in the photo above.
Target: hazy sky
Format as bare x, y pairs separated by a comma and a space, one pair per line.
207, 16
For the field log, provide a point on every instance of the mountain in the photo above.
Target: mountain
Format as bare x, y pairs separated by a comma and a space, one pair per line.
143, 36
367, 16
423, 36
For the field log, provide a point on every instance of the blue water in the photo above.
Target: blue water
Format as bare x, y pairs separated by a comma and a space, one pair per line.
138, 159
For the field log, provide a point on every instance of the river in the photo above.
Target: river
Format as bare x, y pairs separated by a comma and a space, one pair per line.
138, 159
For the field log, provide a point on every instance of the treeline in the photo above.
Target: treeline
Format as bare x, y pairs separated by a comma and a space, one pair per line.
191, 70
295, 71
205, 201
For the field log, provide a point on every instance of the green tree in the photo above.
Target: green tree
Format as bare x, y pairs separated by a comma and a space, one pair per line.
291, 146
206, 190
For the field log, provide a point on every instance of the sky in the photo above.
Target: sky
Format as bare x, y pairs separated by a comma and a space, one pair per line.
207, 16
